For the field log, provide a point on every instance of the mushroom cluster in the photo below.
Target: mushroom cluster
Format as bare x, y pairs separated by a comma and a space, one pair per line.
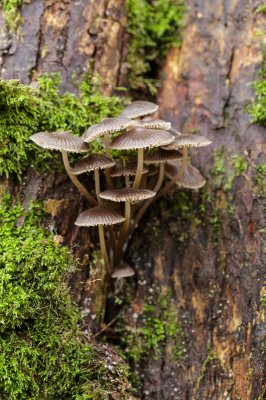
158, 157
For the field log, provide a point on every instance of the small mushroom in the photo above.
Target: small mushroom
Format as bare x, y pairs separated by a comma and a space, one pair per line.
126, 167
139, 108
126, 195
191, 178
65, 141
92, 163
154, 123
100, 216
140, 138
104, 128
122, 271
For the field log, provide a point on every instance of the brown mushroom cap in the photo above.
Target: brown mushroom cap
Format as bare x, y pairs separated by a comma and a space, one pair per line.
153, 123
139, 138
92, 162
106, 125
152, 170
187, 140
122, 271
61, 140
191, 178
127, 194
99, 216
138, 108
127, 168
162, 155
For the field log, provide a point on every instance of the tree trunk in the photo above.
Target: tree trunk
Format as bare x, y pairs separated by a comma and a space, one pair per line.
213, 261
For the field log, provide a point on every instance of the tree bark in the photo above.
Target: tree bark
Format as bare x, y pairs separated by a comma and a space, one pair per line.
215, 270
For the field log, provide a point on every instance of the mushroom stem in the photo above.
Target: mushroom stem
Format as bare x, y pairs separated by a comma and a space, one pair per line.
123, 232
104, 254
127, 181
97, 186
149, 201
108, 154
139, 169
175, 131
75, 180
120, 287
161, 193
143, 181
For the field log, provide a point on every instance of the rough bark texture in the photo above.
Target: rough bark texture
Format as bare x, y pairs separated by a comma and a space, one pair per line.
217, 278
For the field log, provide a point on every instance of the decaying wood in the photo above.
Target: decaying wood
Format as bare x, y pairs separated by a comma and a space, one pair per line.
217, 280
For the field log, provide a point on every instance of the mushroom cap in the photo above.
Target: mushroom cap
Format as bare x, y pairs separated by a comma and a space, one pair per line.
139, 138
191, 178
162, 155
129, 168
106, 125
92, 162
187, 140
122, 271
152, 170
153, 123
138, 108
61, 140
99, 216
127, 194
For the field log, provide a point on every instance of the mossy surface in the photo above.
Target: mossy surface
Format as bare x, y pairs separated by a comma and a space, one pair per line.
25, 112
154, 27
44, 354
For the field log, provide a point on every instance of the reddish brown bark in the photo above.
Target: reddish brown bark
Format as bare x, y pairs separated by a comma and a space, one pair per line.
217, 279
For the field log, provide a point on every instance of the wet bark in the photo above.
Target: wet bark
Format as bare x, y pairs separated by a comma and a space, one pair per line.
216, 269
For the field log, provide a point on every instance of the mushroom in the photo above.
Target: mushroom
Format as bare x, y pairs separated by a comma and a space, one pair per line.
126, 195
154, 123
92, 163
187, 140
191, 178
126, 167
65, 141
104, 128
140, 138
100, 216
139, 108
122, 271
161, 156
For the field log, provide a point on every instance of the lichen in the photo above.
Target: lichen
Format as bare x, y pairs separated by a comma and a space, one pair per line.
44, 354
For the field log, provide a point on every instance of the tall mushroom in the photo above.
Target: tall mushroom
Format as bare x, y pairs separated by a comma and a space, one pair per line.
104, 128
140, 138
92, 163
100, 216
65, 141
126, 195
126, 167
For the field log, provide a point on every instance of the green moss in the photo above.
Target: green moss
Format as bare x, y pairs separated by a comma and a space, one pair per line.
260, 179
154, 27
25, 112
11, 13
44, 355
211, 355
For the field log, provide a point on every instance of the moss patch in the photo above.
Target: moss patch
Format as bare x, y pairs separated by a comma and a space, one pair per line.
25, 111
44, 354
154, 27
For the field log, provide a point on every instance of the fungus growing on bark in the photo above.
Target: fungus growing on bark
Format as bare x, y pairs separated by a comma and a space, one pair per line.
100, 216
155, 146
65, 141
